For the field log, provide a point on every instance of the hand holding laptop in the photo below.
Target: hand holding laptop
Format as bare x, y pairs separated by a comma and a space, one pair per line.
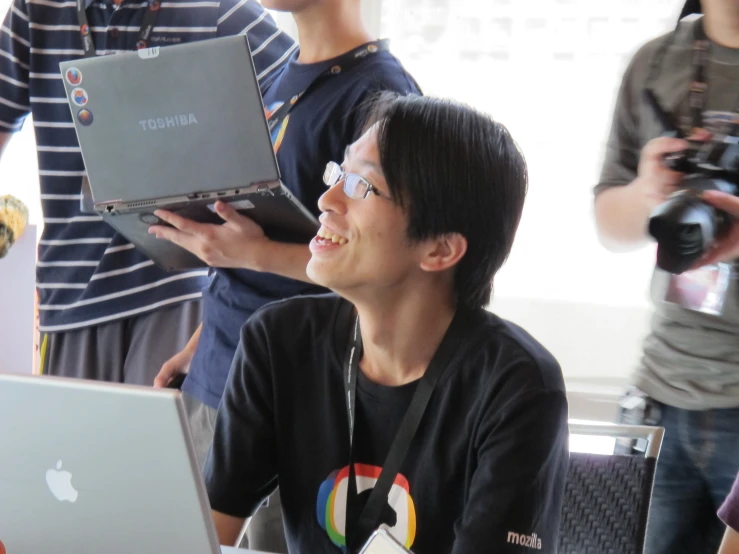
239, 243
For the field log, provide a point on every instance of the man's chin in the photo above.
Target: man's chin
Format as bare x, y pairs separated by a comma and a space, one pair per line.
319, 273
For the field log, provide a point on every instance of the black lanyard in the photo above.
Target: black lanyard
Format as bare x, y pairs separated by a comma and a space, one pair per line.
147, 26
342, 63
360, 526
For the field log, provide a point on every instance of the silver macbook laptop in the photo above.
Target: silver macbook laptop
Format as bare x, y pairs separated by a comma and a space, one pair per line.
91, 468
178, 128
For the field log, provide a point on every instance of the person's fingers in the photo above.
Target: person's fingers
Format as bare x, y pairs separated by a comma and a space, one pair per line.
178, 222
189, 242
165, 375
227, 213
664, 145
724, 250
723, 201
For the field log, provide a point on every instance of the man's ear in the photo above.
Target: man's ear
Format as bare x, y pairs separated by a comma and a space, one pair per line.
444, 252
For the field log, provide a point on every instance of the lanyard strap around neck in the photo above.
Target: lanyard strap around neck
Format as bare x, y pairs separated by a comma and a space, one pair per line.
360, 526
147, 26
341, 64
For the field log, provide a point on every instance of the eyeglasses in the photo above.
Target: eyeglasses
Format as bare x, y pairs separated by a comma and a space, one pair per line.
355, 186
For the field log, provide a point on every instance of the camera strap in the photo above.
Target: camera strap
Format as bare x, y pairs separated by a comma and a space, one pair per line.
699, 84
147, 26
360, 526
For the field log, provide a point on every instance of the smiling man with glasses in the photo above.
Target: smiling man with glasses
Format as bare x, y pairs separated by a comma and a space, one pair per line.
355, 186
399, 399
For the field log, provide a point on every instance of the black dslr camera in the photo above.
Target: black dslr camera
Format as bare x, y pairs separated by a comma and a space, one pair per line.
684, 226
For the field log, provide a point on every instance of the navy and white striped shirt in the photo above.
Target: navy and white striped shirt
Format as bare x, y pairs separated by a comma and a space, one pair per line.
87, 274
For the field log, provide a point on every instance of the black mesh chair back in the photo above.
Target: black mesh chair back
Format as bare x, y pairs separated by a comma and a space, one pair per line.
607, 497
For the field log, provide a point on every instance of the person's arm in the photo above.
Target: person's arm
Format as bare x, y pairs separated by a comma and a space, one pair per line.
178, 363
228, 528
238, 243
622, 212
270, 46
241, 468
14, 71
4, 140
517, 489
730, 544
633, 180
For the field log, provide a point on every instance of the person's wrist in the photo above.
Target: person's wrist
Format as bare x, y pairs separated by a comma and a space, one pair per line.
259, 258
647, 192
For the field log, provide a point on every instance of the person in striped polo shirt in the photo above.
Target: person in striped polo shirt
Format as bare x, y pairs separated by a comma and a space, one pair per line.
105, 311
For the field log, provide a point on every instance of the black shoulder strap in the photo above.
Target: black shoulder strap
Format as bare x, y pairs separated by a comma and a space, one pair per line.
369, 518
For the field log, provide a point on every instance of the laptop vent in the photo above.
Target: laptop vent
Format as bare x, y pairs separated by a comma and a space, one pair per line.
141, 204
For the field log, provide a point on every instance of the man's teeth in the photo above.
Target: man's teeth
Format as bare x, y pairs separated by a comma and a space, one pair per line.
333, 237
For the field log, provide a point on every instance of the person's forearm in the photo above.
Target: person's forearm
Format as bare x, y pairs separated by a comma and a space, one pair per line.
4, 140
228, 528
622, 215
192, 344
730, 544
286, 259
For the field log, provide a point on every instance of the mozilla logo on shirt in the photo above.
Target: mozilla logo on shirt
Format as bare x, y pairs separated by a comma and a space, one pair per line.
399, 512
529, 541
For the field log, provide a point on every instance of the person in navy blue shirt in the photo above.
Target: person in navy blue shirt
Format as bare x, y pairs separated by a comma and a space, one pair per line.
337, 68
419, 216
105, 311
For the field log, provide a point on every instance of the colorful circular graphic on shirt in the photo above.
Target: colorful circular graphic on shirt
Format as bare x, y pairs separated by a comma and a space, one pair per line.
74, 76
155, 5
140, 45
85, 30
79, 96
331, 503
84, 116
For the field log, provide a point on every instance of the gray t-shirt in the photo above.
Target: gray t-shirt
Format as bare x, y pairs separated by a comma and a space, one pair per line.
691, 359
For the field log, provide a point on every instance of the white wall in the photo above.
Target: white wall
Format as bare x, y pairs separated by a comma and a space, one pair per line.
17, 284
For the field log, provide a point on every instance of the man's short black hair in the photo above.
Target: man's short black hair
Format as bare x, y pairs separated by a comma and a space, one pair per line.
453, 170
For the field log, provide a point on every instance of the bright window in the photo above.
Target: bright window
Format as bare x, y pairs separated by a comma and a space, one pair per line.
549, 70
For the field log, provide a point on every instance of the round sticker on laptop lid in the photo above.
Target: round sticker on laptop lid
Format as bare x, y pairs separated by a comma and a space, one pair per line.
84, 116
79, 96
73, 76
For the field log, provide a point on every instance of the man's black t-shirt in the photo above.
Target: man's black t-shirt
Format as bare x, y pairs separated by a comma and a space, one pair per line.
485, 471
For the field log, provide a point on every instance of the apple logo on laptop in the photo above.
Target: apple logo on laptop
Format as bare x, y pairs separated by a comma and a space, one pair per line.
60, 484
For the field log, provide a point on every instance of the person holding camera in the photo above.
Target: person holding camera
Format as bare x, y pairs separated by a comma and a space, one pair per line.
688, 378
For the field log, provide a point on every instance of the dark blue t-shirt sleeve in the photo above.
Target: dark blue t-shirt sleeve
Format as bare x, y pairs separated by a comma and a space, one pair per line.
241, 467
518, 484
389, 76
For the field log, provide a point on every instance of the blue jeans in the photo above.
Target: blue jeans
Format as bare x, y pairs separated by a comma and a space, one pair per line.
696, 468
